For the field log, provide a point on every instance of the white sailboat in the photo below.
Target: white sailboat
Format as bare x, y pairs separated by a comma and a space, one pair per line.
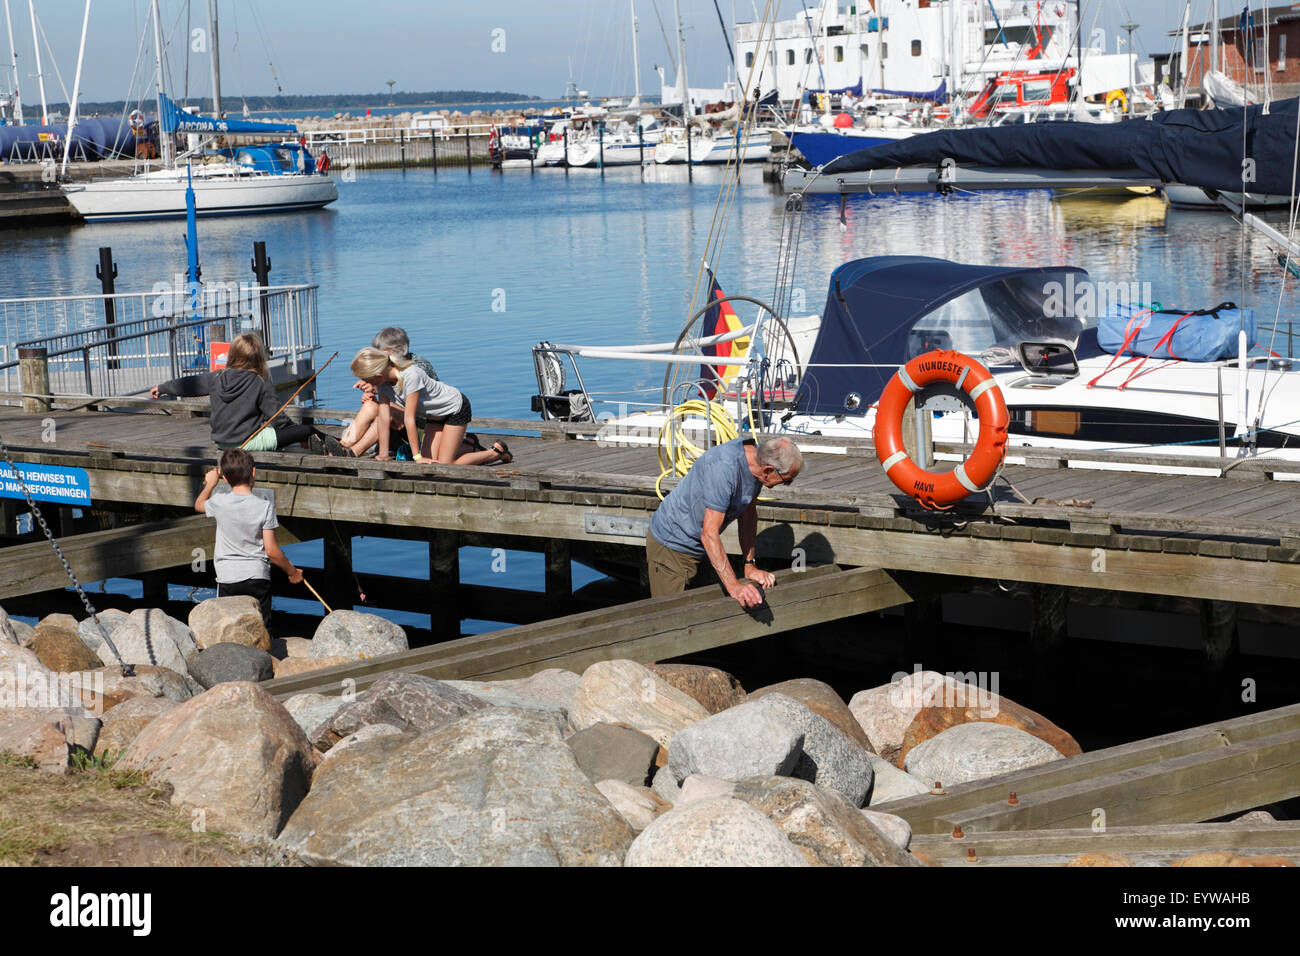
245, 180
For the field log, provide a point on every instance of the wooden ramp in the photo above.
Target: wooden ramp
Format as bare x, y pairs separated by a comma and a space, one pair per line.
647, 630
1145, 846
1190, 776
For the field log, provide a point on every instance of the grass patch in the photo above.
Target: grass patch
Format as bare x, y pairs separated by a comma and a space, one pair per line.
99, 816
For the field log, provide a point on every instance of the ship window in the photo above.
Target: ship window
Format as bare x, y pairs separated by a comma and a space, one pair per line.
916, 48
807, 55
839, 54
884, 51
749, 59
789, 57
1038, 92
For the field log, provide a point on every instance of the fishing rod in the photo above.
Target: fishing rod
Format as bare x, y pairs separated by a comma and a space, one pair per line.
290, 401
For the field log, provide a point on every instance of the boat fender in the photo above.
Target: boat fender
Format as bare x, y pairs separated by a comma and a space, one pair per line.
939, 490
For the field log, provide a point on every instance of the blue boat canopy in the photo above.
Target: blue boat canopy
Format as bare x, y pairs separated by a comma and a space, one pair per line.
176, 120
1224, 150
884, 310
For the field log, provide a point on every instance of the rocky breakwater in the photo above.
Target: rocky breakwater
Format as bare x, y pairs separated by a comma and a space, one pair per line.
624, 764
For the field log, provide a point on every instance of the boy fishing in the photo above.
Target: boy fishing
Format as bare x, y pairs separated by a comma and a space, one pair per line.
246, 545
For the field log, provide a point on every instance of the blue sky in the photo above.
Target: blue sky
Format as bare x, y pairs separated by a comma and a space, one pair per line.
330, 46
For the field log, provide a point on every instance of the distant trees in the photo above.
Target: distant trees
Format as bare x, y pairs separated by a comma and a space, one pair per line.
321, 101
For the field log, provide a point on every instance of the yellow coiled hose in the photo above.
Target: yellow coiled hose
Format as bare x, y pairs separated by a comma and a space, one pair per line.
678, 461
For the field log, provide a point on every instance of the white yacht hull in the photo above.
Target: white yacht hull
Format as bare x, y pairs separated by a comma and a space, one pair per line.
161, 195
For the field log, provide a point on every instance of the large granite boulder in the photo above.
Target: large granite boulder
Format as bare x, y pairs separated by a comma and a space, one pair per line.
408, 702
126, 721
232, 754
715, 689
613, 752
884, 713
149, 636
975, 751
311, 711
229, 620
932, 721
47, 735
826, 828
625, 692
722, 831
752, 739
498, 787
830, 757
224, 663
8, 634
821, 699
637, 805
59, 647
146, 682
357, 636
109, 619
293, 666
890, 783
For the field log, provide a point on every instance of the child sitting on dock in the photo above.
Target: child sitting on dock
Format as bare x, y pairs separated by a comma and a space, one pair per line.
363, 433
246, 545
242, 399
445, 410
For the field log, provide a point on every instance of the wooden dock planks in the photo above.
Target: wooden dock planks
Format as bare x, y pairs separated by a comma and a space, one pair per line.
648, 630
1189, 536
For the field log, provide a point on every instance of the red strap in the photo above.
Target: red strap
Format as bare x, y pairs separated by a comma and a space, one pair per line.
1166, 342
1130, 333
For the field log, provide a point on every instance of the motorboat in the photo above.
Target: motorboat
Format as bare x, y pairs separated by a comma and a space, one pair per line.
1047, 334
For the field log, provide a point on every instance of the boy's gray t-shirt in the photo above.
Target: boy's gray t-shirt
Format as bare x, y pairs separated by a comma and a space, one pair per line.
241, 519
719, 480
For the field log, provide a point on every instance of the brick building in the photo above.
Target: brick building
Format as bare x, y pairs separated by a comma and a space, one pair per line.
1265, 52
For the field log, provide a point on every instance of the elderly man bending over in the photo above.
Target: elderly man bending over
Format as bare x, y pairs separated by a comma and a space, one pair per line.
720, 488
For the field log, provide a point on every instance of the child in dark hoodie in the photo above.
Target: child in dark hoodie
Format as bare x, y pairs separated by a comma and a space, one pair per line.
242, 399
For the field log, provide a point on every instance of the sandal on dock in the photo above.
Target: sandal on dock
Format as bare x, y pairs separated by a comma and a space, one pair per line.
503, 452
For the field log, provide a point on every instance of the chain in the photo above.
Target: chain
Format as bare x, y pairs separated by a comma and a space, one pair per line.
128, 670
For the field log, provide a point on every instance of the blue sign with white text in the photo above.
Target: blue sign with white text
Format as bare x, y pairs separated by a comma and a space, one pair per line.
67, 486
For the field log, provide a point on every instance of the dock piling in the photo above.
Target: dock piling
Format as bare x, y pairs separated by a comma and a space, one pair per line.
444, 583
106, 273
34, 379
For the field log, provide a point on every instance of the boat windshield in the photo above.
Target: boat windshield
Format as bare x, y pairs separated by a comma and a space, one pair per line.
991, 321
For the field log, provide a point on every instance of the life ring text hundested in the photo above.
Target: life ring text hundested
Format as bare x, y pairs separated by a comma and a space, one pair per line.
940, 489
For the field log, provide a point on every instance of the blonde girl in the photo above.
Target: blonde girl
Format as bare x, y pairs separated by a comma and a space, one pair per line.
444, 409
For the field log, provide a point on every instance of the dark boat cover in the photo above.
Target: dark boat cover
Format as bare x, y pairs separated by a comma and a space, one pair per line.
1229, 150
873, 317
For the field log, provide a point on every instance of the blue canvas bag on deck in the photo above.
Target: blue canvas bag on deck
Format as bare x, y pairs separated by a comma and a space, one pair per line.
1205, 335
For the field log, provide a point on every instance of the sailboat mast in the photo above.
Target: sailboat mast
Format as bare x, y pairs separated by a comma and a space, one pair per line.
216, 59
76, 90
40, 76
682, 86
1183, 50
636, 59
164, 138
1214, 35
13, 57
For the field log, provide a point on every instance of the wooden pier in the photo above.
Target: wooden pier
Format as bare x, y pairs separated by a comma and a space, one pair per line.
1217, 539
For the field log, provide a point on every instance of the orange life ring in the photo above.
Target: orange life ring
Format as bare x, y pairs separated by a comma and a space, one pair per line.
941, 489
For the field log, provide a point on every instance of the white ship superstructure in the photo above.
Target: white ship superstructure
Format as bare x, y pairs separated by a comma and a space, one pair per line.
912, 46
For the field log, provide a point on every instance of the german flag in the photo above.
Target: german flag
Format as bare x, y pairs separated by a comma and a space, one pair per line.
720, 319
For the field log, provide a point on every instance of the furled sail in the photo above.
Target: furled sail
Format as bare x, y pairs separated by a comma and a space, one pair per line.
176, 120
1224, 150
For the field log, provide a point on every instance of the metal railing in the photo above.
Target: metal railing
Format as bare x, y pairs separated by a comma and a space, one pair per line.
122, 344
